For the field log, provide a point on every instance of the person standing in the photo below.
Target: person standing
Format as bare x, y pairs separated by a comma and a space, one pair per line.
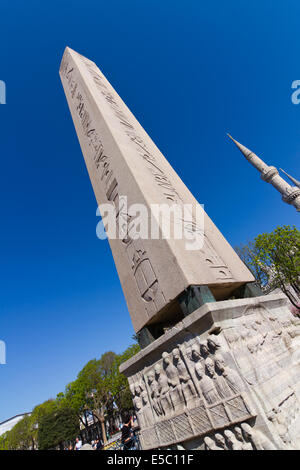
99, 444
127, 433
78, 443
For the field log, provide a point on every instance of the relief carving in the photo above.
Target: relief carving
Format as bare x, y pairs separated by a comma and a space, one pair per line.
163, 391
154, 393
230, 377
187, 385
210, 444
231, 441
239, 436
265, 355
243, 437
256, 438
191, 392
212, 259
220, 441
146, 407
142, 269
174, 382
207, 379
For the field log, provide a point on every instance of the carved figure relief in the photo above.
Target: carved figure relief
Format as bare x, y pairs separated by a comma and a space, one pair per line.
186, 378
210, 444
244, 437
163, 391
187, 386
239, 436
137, 402
230, 377
175, 390
231, 441
154, 393
207, 378
197, 383
220, 441
256, 438
146, 407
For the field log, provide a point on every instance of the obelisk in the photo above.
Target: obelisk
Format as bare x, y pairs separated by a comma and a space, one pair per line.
220, 367
122, 160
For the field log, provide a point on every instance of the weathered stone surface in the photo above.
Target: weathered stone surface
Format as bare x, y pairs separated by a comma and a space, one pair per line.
226, 377
123, 161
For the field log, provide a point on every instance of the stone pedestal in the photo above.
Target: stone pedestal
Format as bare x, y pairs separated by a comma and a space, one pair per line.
225, 377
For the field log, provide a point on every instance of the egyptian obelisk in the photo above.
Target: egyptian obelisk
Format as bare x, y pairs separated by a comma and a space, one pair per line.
123, 161
219, 367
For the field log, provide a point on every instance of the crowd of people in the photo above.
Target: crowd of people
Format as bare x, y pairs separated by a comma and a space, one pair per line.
97, 444
128, 439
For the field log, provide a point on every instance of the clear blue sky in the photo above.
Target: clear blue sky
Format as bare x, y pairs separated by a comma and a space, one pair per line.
190, 71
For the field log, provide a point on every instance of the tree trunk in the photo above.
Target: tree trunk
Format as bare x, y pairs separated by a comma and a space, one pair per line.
103, 431
296, 288
102, 422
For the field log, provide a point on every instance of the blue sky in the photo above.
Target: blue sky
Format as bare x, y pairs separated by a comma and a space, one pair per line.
190, 72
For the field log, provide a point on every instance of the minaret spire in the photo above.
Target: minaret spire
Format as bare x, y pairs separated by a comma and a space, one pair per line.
250, 156
290, 194
296, 183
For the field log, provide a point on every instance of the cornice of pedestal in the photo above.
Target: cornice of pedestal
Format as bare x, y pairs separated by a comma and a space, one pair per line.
208, 318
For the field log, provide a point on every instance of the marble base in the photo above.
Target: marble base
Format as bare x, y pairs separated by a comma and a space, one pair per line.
225, 377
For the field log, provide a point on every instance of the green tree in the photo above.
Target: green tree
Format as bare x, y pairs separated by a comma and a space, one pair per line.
274, 259
56, 427
25, 433
278, 253
37, 414
76, 397
118, 384
99, 389
248, 254
94, 378
4, 441
20, 436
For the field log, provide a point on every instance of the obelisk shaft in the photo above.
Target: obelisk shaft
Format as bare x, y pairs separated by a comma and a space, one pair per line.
122, 161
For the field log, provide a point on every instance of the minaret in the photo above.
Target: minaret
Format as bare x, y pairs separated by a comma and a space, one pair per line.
296, 183
290, 194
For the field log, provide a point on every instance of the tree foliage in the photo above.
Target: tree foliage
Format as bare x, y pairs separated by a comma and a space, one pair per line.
118, 382
20, 437
59, 425
99, 389
274, 259
248, 254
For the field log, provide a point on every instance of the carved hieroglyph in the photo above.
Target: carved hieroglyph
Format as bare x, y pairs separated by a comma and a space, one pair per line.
123, 161
226, 377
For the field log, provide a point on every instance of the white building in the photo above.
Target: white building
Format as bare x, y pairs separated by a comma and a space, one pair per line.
8, 424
